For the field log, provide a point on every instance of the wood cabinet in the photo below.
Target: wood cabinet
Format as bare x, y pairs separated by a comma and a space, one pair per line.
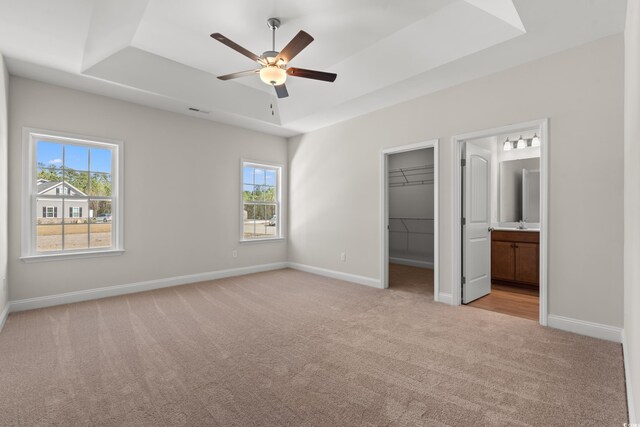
515, 257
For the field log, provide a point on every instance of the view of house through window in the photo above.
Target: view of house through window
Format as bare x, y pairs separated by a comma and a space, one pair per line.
73, 196
260, 201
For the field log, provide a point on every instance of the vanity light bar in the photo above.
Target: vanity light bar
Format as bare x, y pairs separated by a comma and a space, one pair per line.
521, 142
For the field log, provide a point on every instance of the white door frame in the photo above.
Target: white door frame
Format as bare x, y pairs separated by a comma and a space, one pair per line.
542, 126
384, 210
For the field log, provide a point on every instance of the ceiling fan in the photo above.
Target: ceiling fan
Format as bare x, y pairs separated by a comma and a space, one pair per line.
273, 70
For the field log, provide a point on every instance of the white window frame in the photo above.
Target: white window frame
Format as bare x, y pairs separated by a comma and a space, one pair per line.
53, 211
30, 136
75, 212
279, 204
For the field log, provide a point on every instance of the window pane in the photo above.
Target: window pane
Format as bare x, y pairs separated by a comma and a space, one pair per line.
271, 177
258, 193
272, 221
247, 175
76, 231
78, 180
259, 177
49, 235
76, 157
260, 222
75, 211
248, 221
101, 160
47, 178
269, 194
100, 211
100, 184
101, 235
247, 193
49, 154
101, 223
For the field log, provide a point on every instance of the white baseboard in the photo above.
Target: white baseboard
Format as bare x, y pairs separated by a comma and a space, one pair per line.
445, 298
633, 418
4, 314
411, 262
582, 327
362, 280
110, 291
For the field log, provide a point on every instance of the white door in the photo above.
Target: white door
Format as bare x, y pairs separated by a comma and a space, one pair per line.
476, 238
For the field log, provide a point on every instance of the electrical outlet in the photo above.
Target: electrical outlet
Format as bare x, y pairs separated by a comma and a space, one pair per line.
234, 254
343, 256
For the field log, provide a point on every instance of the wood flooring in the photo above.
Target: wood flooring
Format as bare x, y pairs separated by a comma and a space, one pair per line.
514, 301
510, 300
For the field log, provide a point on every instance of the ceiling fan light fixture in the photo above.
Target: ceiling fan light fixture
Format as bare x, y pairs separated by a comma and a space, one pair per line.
273, 75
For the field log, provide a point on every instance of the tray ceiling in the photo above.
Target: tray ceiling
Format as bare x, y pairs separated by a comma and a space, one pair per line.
159, 53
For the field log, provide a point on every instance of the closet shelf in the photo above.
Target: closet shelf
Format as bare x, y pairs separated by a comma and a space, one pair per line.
416, 175
406, 228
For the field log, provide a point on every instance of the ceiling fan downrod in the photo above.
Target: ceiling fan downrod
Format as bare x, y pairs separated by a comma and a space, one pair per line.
273, 24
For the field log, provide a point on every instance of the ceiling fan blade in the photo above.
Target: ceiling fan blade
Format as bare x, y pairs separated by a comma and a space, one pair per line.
235, 46
295, 46
281, 91
238, 74
311, 74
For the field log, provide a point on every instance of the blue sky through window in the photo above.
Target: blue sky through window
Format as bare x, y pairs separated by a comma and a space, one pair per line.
252, 175
76, 157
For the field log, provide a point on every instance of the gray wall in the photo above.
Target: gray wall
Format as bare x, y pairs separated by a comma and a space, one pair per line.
4, 91
580, 90
632, 202
172, 164
412, 201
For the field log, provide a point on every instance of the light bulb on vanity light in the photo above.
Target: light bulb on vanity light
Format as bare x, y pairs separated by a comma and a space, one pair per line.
507, 145
535, 142
521, 143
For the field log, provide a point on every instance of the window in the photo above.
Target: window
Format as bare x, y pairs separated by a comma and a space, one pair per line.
71, 187
50, 212
261, 218
75, 212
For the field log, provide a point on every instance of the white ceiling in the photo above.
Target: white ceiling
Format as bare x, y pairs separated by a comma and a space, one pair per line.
159, 53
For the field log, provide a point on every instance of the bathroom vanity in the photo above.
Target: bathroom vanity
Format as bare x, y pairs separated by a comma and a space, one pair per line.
515, 257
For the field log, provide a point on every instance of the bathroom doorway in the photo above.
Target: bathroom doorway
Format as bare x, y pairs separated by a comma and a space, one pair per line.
501, 200
409, 195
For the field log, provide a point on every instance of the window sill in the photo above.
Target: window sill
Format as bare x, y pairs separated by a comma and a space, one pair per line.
265, 240
71, 255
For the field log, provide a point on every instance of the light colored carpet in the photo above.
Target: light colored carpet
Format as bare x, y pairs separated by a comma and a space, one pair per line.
290, 348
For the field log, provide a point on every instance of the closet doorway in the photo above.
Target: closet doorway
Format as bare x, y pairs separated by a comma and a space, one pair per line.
409, 195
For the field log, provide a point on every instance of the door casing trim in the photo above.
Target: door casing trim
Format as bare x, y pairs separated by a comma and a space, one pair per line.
542, 126
384, 211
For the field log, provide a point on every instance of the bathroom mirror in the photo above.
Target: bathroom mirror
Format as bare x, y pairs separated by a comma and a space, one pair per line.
519, 191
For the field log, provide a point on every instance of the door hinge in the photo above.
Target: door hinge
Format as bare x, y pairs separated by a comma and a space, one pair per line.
464, 280
463, 162
464, 221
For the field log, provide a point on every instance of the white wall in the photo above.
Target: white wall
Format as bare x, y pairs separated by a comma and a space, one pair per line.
334, 173
4, 91
174, 166
632, 205
412, 239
